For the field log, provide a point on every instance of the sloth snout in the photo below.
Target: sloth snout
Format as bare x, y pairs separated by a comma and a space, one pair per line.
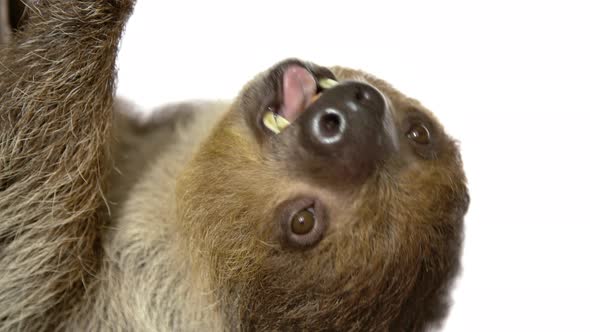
351, 113
349, 125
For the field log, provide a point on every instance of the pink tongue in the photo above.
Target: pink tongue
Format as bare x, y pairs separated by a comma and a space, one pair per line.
298, 88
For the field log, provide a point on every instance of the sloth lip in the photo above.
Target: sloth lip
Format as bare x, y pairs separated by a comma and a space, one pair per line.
297, 90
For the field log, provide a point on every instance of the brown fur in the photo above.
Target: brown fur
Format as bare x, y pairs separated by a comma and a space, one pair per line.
167, 223
56, 84
386, 262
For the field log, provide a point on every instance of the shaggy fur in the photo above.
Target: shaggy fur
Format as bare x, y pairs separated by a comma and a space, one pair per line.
388, 258
56, 84
113, 222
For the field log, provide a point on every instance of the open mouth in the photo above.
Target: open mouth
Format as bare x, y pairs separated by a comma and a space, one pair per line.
300, 89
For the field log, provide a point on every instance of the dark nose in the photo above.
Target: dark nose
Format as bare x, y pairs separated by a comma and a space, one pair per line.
346, 114
350, 125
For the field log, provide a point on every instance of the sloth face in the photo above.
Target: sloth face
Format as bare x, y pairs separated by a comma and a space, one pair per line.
325, 199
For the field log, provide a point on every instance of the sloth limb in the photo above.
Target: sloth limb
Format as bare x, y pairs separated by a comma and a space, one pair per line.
56, 84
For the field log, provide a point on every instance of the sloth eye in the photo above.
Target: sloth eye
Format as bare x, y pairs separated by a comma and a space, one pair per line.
303, 221
419, 134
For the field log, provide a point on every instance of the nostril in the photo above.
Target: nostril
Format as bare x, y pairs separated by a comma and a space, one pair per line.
328, 126
361, 95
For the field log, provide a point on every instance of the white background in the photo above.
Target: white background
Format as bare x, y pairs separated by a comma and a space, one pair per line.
509, 79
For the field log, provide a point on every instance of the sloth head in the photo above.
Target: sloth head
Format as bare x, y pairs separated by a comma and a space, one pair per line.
349, 218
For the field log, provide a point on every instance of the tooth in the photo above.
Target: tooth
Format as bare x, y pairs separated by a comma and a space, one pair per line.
275, 122
326, 83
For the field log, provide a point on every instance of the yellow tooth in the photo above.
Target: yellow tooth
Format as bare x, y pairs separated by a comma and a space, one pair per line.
326, 83
275, 122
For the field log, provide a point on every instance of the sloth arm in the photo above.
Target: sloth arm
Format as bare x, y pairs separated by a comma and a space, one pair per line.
56, 94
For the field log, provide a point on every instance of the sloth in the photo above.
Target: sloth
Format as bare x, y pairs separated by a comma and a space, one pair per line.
320, 199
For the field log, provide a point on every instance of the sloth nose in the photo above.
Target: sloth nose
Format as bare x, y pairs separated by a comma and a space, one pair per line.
348, 128
347, 121
349, 113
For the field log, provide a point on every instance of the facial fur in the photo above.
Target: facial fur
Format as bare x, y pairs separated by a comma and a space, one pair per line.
391, 245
